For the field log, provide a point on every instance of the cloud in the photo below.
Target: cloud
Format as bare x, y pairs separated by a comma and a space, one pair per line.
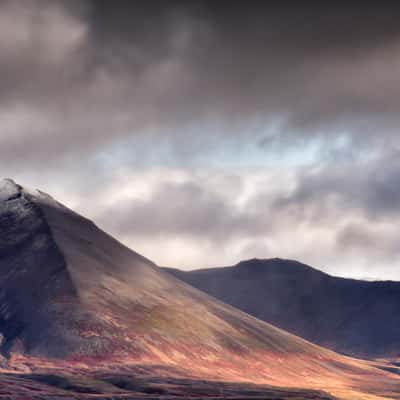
89, 77
42, 48
274, 130
369, 189
182, 209
380, 240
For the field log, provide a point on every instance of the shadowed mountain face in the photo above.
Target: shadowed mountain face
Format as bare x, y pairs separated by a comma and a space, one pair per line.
350, 316
74, 299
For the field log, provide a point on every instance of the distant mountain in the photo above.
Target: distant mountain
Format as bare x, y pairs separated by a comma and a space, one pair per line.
80, 310
354, 317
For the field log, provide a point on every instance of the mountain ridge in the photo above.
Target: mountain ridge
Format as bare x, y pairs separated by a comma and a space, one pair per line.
261, 263
73, 298
343, 314
46, 220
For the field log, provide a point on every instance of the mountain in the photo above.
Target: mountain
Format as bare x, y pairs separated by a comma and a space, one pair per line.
354, 317
75, 304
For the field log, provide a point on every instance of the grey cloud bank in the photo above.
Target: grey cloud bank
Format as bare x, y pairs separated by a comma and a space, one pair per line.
101, 100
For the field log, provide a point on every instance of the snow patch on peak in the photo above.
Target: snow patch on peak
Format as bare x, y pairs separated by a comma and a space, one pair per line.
9, 189
42, 199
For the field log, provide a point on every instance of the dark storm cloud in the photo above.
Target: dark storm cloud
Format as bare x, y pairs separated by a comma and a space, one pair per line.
314, 65
88, 73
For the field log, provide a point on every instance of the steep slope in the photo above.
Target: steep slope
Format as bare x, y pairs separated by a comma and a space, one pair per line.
73, 296
354, 317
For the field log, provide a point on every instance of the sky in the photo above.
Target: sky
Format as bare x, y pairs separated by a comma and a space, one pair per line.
201, 133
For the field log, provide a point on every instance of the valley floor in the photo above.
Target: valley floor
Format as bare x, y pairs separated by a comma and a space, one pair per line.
62, 381
121, 386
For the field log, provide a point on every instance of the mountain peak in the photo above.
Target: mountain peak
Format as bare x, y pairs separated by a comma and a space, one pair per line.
278, 266
8, 189
264, 262
7, 181
69, 290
